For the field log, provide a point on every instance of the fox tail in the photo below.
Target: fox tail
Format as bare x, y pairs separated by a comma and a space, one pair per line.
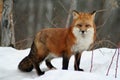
25, 65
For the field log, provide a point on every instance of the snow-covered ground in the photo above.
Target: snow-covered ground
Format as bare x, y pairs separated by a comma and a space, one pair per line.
10, 58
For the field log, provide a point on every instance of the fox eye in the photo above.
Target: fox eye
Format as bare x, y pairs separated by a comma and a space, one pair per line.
79, 25
87, 25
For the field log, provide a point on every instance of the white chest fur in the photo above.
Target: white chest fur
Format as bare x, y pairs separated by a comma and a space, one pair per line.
83, 41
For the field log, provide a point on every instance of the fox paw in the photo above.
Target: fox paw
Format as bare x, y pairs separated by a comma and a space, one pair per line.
80, 69
41, 73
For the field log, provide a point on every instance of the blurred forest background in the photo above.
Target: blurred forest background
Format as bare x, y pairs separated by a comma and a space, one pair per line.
30, 16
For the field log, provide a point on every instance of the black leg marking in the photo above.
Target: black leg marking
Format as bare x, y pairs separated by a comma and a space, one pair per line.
49, 65
77, 62
35, 63
65, 62
39, 72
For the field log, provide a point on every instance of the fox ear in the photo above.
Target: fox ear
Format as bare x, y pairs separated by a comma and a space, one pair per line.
93, 13
75, 14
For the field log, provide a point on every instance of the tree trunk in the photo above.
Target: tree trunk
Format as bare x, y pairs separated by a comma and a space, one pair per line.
1, 7
7, 26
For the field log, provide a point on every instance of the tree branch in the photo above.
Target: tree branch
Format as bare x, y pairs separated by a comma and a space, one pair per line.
69, 14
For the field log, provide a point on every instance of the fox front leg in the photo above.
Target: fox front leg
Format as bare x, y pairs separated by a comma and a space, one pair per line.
77, 61
65, 62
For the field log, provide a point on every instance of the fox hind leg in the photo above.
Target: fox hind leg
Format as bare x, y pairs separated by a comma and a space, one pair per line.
39, 72
35, 63
49, 65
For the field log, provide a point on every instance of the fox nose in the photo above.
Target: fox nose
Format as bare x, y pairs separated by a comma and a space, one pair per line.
83, 32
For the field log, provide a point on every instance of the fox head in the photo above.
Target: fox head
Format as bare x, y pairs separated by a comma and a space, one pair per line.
83, 23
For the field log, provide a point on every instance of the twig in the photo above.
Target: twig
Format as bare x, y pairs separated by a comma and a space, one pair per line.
117, 60
69, 15
101, 41
63, 6
103, 23
23, 40
105, 20
51, 22
110, 43
101, 51
116, 69
91, 61
111, 63
102, 10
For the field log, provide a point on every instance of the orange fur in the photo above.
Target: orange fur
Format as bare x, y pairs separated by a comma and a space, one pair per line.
62, 42
55, 40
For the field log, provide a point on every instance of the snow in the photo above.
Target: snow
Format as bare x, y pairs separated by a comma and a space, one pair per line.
10, 58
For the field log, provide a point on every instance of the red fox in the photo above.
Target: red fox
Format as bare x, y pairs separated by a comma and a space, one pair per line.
50, 43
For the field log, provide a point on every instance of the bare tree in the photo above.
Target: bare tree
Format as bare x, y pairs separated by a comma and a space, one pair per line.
7, 26
1, 6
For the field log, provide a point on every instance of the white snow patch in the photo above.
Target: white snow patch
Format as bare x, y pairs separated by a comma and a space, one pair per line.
10, 58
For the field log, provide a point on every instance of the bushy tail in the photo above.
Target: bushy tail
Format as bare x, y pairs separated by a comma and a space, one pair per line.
25, 65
